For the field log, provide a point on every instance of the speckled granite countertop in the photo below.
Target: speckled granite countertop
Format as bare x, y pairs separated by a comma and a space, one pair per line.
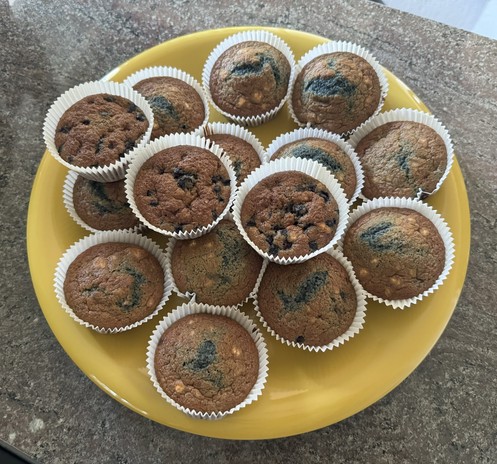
446, 411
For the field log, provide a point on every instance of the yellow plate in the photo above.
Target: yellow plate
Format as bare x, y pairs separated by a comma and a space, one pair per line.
305, 391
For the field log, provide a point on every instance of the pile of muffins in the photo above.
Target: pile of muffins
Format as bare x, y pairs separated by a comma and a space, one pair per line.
278, 226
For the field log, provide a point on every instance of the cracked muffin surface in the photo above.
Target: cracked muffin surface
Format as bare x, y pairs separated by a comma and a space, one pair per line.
98, 130
336, 91
396, 253
112, 285
312, 302
206, 362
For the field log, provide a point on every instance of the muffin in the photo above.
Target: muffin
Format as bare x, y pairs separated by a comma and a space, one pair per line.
402, 159
249, 79
397, 253
177, 106
329, 154
220, 268
336, 91
242, 154
289, 214
206, 362
114, 285
103, 205
310, 303
182, 188
99, 130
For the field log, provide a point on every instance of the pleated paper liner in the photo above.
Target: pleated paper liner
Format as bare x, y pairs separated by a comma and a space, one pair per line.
432, 215
334, 47
108, 237
140, 156
248, 36
196, 308
355, 327
407, 114
309, 132
111, 172
312, 169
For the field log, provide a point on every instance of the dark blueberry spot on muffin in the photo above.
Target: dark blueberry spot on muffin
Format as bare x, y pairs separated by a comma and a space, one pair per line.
140, 117
184, 127
90, 290
178, 228
316, 154
343, 295
86, 122
251, 222
151, 193
304, 293
324, 195
129, 145
300, 339
273, 250
205, 356
330, 86
112, 145
65, 129
163, 106
70, 159
161, 170
242, 69
402, 157
313, 245
307, 226
129, 304
185, 180
299, 210
373, 236
100, 145
132, 107
154, 203
109, 98
331, 222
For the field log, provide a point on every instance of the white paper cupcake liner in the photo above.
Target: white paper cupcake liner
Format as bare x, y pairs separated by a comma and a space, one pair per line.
168, 71
356, 325
407, 114
105, 237
111, 172
333, 47
428, 212
243, 320
67, 196
143, 154
312, 169
192, 296
308, 132
246, 36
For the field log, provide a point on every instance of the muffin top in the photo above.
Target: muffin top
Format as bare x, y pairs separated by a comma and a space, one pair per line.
113, 285
242, 154
176, 105
336, 91
249, 78
396, 253
182, 188
400, 159
289, 214
221, 268
206, 362
103, 205
98, 130
312, 302
329, 154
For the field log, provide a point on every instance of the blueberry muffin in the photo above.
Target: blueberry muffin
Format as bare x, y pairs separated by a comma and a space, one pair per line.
249, 79
103, 205
310, 303
182, 188
289, 214
99, 130
329, 154
221, 268
401, 159
113, 285
396, 253
242, 154
336, 91
176, 105
206, 362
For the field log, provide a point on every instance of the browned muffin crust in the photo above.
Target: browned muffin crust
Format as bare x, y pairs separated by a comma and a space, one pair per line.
176, 105
329, 154
242, 154
312, 302
396, 253
336, 91
289, 214
250, 78
182, 188
113, 285
99, 130
103, 205
206, 362
221, 268
400, 159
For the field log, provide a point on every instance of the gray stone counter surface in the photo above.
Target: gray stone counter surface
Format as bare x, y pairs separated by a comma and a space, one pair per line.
445, 412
